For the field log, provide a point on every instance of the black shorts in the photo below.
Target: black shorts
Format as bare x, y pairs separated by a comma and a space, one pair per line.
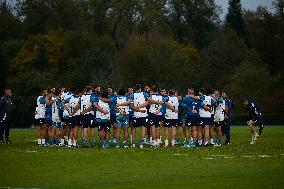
192, 121
219, 123
104, 125
154, 120
258, 121
171, 122
75, 121
40, 121
112, 118
203, 121
89, 120
139, 121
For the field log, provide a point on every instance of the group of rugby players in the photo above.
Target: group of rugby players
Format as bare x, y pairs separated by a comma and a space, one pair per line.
203, 117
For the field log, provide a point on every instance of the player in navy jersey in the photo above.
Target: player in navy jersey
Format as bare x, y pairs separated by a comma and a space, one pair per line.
112, 97
228, 117
193, 105
255, 118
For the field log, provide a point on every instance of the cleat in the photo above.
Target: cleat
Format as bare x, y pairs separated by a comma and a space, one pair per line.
1, 142
8, 141
92, 144
133, 145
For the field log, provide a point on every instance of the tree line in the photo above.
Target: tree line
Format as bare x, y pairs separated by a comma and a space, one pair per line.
171, 43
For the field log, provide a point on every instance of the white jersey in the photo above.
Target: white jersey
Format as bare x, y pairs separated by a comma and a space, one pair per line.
64, 97
207, 102
40, 108
72, 103
220, 110
139, 99
104, 106
156, 107
55, 110
86, 103
173, 101
120, 100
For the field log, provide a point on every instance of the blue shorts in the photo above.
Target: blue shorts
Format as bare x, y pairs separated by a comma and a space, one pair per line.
56, 125
154, 120
40, 121
139, 121
171, 122
205, 121
75, 121
192, 121
106, 125
88, 120
48, 121
122, 121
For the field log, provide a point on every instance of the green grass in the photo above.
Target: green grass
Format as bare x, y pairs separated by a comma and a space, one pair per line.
24, 165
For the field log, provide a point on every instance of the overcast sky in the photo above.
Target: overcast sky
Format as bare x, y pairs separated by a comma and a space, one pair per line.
247, 4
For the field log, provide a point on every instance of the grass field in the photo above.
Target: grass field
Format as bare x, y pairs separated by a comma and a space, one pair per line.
240, 165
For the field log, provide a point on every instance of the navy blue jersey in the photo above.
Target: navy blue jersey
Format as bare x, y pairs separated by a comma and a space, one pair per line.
192, 104
254, 110
112, 103
230, 105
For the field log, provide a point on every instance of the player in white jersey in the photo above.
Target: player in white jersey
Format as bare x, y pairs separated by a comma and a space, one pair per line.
56, 120
65, 121
205, 117
122, 118
155, 116
140, 113
40, 119
171, 117
88, 118
74, 116
219, 116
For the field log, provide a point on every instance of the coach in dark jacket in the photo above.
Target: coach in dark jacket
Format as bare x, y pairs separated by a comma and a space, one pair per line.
5, 115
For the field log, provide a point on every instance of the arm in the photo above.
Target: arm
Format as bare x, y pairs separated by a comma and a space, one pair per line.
125, 103
52, 101
76, 108
168, 105
95, 105
65, 107
136, 109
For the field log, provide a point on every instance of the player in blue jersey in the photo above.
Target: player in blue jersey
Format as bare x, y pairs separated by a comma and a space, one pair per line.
255, 118
228, 118
112, 97
193, 105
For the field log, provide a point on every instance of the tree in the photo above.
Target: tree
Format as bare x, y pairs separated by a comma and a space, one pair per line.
235, 21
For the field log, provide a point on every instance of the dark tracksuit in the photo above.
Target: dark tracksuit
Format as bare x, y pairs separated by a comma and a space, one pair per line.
5, 116
226, 127
255, 114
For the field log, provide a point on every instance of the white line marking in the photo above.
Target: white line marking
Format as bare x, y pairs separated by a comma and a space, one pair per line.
217, 155
31, 151
208, 158
247, 156
264, 156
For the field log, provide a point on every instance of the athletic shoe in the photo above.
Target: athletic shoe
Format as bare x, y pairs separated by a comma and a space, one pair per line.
133, 145
1, 142
191, 144
227, 143
256, 135
253, 140
92, 144
126, 144
8, 141
107, 144
177, 141
85, 145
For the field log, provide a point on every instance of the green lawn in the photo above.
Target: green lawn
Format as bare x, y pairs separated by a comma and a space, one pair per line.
240, 165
